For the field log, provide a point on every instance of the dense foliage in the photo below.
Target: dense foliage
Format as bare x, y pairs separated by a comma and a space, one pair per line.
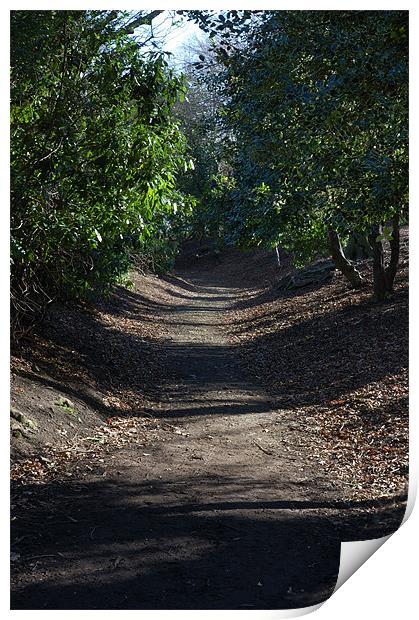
95, 153
316, 111
199, 116
296, 122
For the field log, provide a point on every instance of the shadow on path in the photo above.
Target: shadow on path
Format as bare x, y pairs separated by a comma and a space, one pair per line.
145, 545
135, 535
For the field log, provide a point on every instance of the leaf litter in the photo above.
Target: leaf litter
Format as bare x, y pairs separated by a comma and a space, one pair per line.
337, 367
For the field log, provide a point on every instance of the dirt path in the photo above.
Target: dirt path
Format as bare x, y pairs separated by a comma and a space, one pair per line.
223, 512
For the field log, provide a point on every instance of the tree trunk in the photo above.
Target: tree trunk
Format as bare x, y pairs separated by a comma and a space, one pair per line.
378, 270
277, 256
358, 247
395, 252
341, 262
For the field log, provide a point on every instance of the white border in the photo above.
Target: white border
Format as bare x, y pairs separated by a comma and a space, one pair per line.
386, 585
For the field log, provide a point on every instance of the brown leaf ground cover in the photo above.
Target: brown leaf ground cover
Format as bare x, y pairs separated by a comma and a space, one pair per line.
338, 364
333, 361
105, 358
205, 441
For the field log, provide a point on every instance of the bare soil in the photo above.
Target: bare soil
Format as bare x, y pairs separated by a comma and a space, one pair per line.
175, 477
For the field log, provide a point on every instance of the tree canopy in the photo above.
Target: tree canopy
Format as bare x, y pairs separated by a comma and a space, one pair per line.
316, 110
95, 151
296, 122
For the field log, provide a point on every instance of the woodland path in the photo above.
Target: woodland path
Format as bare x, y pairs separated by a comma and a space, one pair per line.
225, 513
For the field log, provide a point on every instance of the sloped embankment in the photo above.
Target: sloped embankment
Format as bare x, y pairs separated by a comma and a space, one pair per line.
201, 482
337, 364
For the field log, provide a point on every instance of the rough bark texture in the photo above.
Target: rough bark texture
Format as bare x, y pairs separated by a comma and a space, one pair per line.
379, 272
395, 252
341, 262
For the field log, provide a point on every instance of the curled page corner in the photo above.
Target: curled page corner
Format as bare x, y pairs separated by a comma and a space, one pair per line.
354, 554
303, 611
411, 499
295, 613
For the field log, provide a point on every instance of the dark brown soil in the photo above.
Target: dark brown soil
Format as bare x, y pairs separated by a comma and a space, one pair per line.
177, 478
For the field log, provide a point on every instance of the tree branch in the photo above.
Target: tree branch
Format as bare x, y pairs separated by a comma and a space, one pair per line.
143, 20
